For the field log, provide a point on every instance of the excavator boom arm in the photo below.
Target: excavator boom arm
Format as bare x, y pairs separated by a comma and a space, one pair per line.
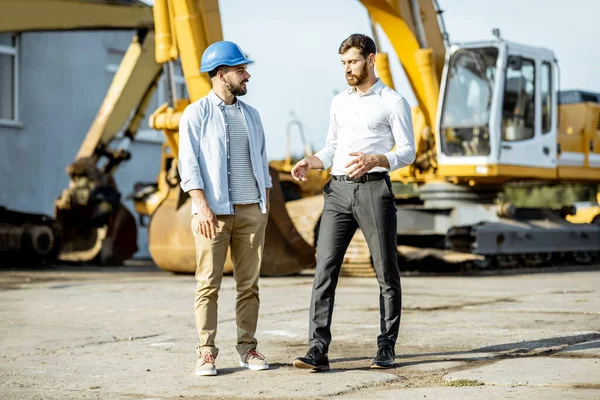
64, 15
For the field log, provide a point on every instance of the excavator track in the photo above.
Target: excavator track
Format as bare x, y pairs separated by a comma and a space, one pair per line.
531, 243
306, 213
534, 238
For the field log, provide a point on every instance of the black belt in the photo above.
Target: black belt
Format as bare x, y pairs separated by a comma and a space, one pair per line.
373, 176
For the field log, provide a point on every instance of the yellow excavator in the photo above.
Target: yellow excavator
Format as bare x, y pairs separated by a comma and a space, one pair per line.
90, 222
488, 114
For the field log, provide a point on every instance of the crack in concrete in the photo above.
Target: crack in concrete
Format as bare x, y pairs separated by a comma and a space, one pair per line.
546, 312
594, 386
519, 353
117, 340
295, 311
459, 306
415, 379
442, 308
572, 292
578, 356
369, 385
91, 391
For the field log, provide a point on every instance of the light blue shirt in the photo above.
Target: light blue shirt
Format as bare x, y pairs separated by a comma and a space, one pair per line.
204, 156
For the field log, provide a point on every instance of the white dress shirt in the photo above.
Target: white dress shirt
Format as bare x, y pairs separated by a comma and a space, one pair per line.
371, 123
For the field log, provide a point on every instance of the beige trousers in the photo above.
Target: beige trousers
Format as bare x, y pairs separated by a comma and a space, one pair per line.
245, 233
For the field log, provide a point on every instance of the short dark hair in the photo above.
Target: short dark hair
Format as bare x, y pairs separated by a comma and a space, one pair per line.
363, 43
213, 73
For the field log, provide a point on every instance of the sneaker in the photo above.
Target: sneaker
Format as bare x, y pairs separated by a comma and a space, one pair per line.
315, 360
384, 358
253, 360
205, 365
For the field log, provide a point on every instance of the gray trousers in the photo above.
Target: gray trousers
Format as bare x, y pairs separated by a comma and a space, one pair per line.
370, 206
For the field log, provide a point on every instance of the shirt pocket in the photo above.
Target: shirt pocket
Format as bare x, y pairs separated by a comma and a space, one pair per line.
211, 143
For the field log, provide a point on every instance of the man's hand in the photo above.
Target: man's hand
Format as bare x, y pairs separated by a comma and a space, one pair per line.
301, 169
363, 163
207, 221
306, 164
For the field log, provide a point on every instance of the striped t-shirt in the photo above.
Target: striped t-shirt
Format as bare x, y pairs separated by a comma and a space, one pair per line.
244, 189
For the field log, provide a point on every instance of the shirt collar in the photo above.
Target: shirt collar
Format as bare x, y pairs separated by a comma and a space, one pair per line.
376, 88
217, 101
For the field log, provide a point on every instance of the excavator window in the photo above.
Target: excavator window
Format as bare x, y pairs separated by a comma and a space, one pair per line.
546, 93
467, 102
518, 109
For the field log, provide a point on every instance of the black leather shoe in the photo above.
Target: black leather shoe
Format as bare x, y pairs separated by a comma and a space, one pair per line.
315, 359
384, 358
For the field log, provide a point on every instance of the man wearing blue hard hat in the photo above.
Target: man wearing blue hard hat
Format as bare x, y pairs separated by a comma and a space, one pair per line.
224, 167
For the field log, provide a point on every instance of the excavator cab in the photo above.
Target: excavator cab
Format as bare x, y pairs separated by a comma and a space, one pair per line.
499, 123
498, 113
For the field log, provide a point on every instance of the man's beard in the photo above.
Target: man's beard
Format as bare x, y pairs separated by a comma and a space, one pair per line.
356, 80
236, 90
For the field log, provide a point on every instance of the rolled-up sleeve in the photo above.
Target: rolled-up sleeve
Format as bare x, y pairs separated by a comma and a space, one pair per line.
189, 147
328, 152
402, 130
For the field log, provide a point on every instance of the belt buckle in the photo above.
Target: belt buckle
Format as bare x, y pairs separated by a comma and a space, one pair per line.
362, 179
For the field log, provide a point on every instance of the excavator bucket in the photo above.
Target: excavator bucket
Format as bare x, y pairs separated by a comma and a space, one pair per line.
286, 252
172, 246
110, 244
94, 225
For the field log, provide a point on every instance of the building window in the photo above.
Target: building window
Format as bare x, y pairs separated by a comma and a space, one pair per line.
546, 93
9, 79
518, 111
145, 133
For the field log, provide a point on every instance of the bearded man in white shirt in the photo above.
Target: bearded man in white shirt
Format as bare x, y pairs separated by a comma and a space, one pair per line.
366, 121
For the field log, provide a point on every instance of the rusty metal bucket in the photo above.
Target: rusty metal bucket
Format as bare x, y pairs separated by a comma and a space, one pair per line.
172, 245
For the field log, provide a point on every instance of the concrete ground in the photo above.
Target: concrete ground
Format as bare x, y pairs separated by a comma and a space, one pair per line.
128, 333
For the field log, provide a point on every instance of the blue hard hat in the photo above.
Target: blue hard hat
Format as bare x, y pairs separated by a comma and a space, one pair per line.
222, 53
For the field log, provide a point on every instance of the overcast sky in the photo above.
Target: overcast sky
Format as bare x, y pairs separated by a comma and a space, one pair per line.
297, 69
